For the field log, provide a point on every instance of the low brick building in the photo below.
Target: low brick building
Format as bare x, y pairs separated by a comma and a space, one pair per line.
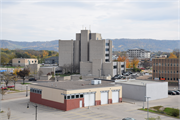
75, 94
166, 69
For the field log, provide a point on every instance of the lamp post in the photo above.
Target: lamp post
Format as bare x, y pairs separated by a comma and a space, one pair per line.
35, 111
143, 100
147, 107
26, 90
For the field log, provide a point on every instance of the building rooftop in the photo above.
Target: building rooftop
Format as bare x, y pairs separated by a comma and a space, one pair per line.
24, 58
73, 85
137, 82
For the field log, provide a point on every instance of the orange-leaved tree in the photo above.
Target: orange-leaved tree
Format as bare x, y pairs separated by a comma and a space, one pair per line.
134, 62
172, 55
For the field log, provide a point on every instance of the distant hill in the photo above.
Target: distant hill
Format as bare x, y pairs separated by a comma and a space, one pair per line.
119, 44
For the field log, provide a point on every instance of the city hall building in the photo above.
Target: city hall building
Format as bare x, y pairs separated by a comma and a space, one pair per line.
166, 69
75, 94
89, 54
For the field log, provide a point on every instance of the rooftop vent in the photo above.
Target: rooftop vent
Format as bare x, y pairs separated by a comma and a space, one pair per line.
95, 82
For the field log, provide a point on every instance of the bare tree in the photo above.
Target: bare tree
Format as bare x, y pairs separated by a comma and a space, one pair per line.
7, 78
76, 68
40, 72
2, 91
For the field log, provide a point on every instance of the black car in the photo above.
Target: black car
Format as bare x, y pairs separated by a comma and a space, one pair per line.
130, 72
177, 92
32, 79
117, 77
171, 92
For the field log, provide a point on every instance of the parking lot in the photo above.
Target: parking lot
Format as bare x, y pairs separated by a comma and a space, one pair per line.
128, 108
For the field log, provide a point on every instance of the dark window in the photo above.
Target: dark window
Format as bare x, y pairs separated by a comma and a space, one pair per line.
40, 91
81, 96
18, 61
168, 78
72, 96
165, 78
171, 78
68, 97
35, 61
177, 79
64, 97
107, 55
107, 44
177, 64
171, 64
77, 96
177, 71
174, 79
107, 60
122, 65
115, 67
32, 61
153, 70
107, 49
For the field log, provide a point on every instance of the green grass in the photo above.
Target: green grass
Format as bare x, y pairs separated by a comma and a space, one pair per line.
25, 83
172, 112
1, 111
10, 67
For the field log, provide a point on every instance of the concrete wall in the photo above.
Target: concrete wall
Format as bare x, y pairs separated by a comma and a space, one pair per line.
96, 67
46, 70
135, 92
96, 36
107, 69
76, 53
84, 45
65, 52
45, 77
157, 90
34, 67
97, 50
85, 68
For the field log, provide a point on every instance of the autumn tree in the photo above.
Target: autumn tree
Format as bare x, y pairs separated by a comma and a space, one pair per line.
23, 73
134, 62
172, 55
128, 64
7, 77
121, 59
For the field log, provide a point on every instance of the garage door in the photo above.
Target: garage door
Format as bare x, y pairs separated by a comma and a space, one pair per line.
115, 96
104, 98
89, 99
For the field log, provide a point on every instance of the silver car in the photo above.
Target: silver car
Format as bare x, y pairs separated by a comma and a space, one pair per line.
128, 118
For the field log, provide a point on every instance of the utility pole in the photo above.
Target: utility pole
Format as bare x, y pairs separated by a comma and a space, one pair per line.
147, 107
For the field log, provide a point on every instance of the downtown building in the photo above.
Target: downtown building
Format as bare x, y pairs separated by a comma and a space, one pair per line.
138, 53
166, 69
89, 54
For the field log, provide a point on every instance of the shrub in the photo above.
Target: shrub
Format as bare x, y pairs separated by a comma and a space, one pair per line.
172, 112
151, 118
80, 77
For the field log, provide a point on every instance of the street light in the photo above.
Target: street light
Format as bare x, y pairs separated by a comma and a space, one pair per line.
143, 100
147, 107
26, 90
36, 110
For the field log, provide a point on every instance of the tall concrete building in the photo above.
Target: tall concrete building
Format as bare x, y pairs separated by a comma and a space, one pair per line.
90, 54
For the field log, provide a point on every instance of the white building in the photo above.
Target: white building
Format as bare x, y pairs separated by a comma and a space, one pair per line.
138, 53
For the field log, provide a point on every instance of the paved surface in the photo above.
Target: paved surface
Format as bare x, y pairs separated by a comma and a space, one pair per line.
117, 111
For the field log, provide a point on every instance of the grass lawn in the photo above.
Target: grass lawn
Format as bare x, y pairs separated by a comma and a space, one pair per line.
172, 112
10, 67
25, 83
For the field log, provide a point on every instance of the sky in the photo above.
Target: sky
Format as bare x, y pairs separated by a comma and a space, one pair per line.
45, 20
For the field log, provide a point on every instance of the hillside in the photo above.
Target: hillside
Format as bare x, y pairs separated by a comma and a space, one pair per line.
119, 44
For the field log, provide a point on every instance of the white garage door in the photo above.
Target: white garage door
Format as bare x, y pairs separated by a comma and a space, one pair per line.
89, 99
115, 96
104, 98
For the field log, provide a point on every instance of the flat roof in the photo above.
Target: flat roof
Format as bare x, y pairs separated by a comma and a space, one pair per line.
74, 85
137, 82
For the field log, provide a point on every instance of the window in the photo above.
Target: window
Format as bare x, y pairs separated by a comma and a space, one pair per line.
177, 64
32, 61
81, 95
64, 97
77, 96
18, 61
107, 44
107, 60
177, 71
168, 78
68, 97
35, 61
177, 79
171, 78
153, 70
107, 55
72, 96
115, 67
171, 64
174, 79
122, 66
107, 49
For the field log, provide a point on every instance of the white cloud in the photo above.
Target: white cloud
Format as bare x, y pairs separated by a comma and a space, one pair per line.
43, 20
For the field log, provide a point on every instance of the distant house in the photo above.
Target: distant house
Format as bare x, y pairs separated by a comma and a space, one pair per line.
24, 61
52, 60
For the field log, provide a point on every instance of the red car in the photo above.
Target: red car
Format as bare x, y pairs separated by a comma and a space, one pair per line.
4, 88
10, 86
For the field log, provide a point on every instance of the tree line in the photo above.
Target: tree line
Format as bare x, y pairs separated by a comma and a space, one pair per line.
7, 55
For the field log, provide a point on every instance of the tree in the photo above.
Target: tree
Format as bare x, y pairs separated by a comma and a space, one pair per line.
40, 72
2, 91
128, 64
7, 78
172, 55
146, 64
14, 79
23, 73
134, 62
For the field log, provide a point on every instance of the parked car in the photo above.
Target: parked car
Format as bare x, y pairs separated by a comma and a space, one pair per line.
128, 118
130, 72
177, 92
10, 86
32, 79
170, 92
117, 77
4, 88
